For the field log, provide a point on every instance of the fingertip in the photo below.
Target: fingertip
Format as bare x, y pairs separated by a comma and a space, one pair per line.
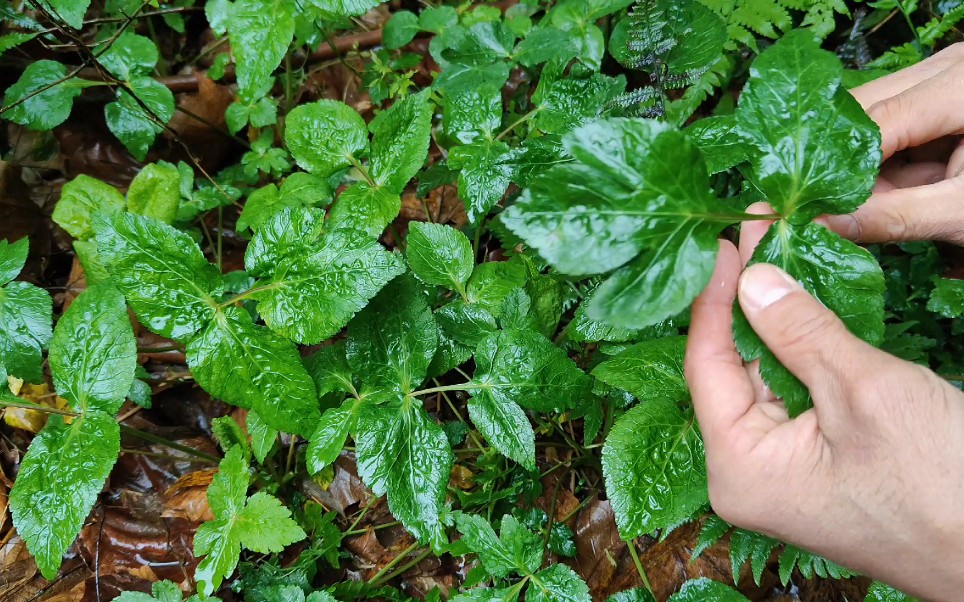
752, 232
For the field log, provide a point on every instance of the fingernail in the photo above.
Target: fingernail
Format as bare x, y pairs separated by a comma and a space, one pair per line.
845, 225
762, 285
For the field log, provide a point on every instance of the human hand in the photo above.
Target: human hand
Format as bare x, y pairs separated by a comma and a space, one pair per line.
870, 477
920, 194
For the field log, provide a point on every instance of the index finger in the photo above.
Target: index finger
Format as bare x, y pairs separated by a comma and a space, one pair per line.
719, 384
891, 85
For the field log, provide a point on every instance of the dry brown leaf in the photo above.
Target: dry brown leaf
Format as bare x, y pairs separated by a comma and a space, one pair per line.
187, 497
598, 545
462, 478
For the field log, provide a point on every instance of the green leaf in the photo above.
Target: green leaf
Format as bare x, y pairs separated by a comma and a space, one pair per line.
324, 137
467, 323
12, 259
810, 565
682, 38
262, 436
155, 192
488, 594
79, 199
545, 44
880, 592
259, 523
473, 113
516, 550
130, 55
310, 294
632, 595
26, 314
438, 19
403, 453
60, 477
70, 12
483, 43
558, 583
345, 8
93, 353
228, 433
816, 150
486, 172
260, 31
366, 209
721, 142
492, 283
392, 342
163, 591
43, 96
400, 138
524, 367
252, 367
161, 271
135, 126
327, 441
654, 466
947, 298
753, 547
644, 185
400, 29
843, 276
439, 255
703, 589
329, 369
505, 426
652, 370
564, 103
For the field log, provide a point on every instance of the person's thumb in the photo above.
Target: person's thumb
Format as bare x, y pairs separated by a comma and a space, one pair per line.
932, 212
804, 335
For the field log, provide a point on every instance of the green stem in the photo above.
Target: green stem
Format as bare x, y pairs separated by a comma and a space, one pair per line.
392, 564
361, 169
248, 294
910, 23
519, 122
404, 568
639, 565
26, 405
462, 387
167, 442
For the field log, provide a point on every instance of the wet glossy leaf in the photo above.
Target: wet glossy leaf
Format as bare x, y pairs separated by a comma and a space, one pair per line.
947, 298
483, 43
155, 192
329, 369
60, 477
488, 594
259, 523
645, 185
93, 353
70, 12
439, 255
565, 103
12, 259
525, 368
816, 150
558, 583
327, 441
130, 55
392, 342
262, 436
654, 466
405, 454
79, 199
632, 595
703, 589
400, 138
252, 367
492, 283
843, 276
545, 44
471, 114
400, 29
505, 426
137, 126
880, 592
161, 271
43, 96
311, 293
161, 591
467, 323
515, 550
721, 142
649, 370
260, 31
486, 172
345, 8
366, 209
324, 137
26, 315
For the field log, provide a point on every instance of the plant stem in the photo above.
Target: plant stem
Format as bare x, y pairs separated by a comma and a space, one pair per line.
26, 405
173, 445
519, 122
639, 565
463, 387
393, 563
361, 169
404, 568
248, 294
